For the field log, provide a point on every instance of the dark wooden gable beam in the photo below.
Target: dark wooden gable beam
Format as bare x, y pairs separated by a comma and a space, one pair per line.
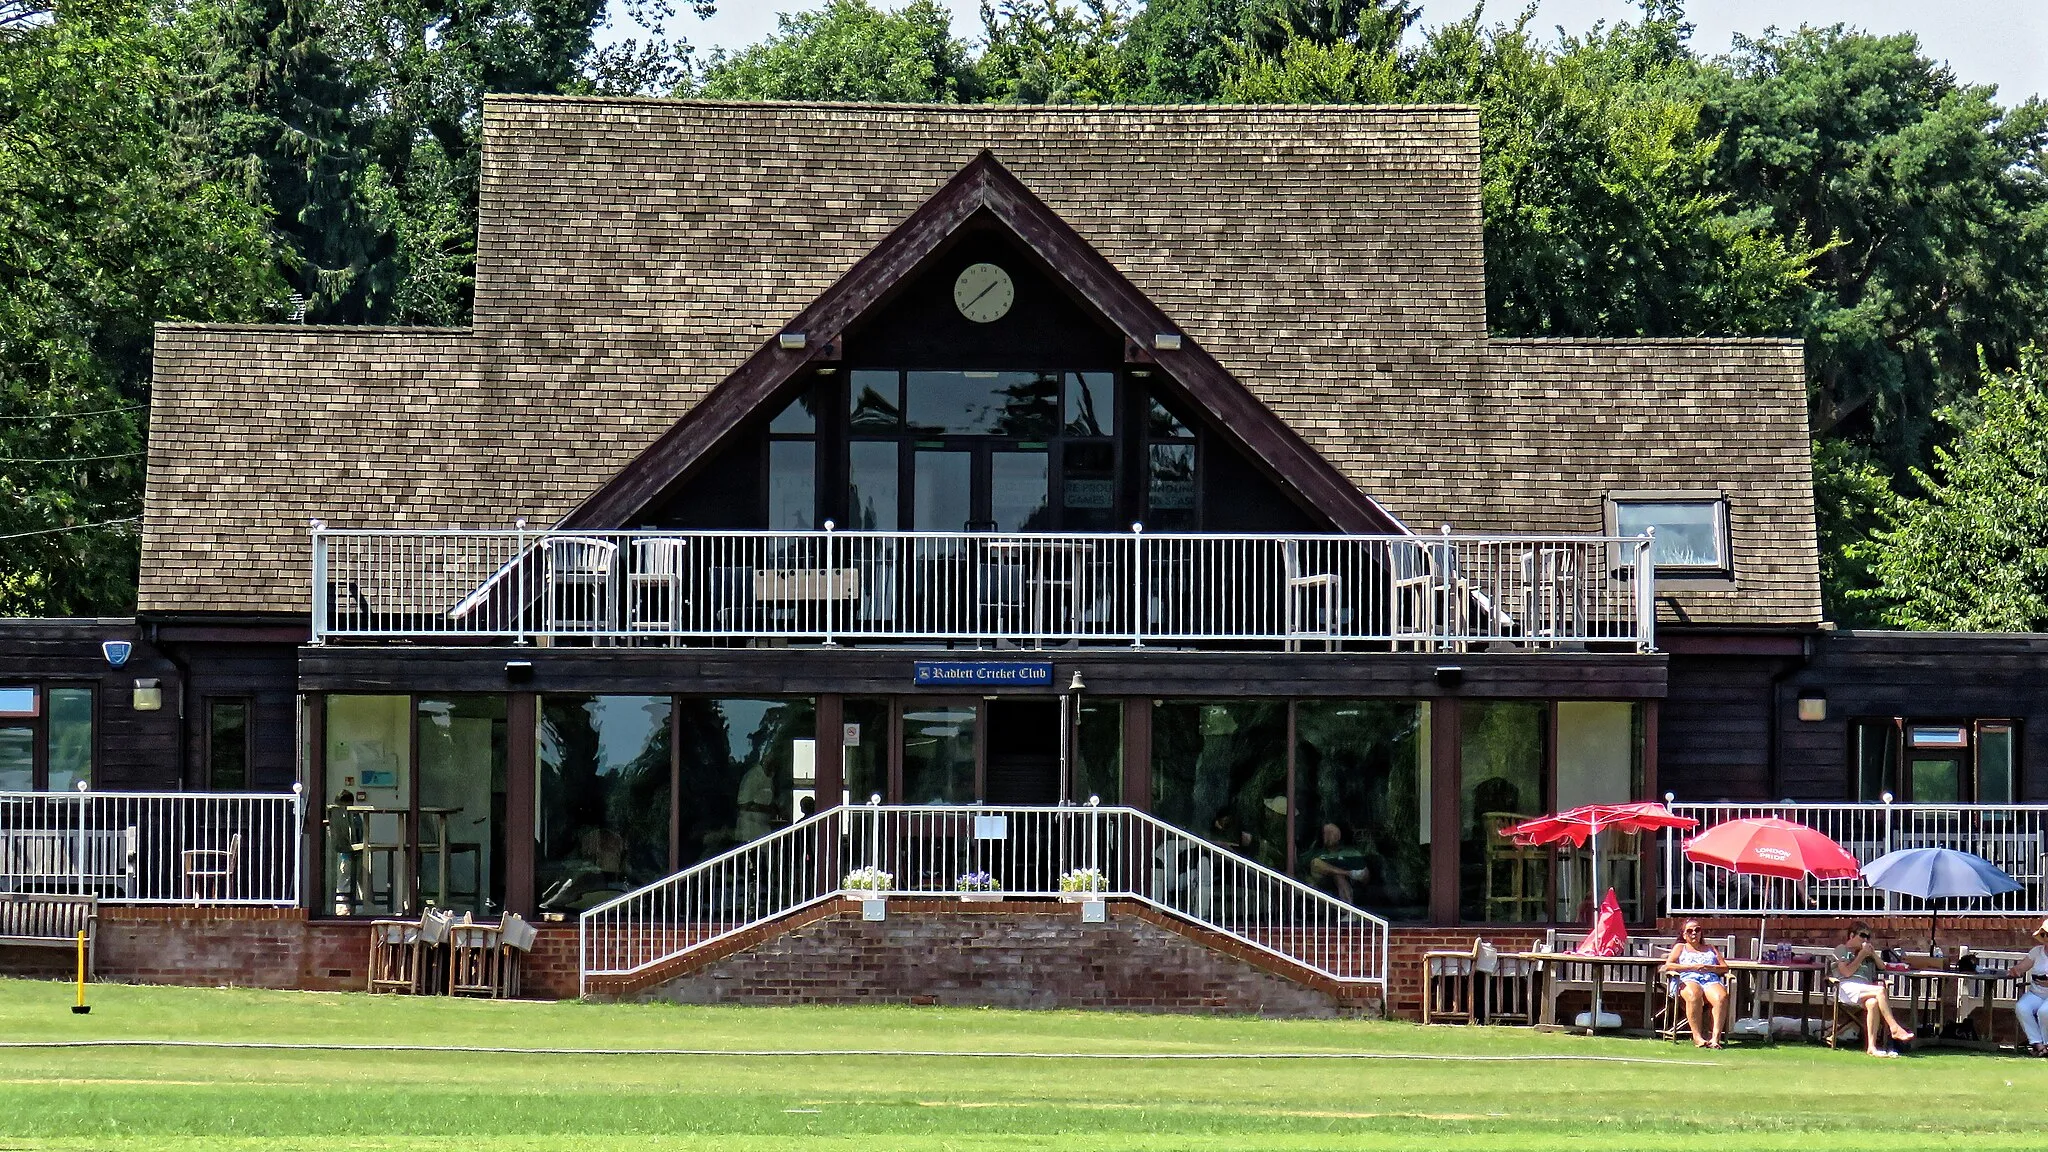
983, 185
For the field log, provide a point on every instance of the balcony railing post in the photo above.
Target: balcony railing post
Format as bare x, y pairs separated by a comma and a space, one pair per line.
1646, 591
831, 581
319, 582
1891, 900
519, 581
295, 865
1137, 584
78, 860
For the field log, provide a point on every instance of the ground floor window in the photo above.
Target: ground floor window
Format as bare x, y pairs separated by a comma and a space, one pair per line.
1219, 770
605, 774
1935, 760
1502, 747
1361, 802
1099, 751
46, 737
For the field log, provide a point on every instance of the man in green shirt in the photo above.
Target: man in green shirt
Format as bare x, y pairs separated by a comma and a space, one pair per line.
1337, 864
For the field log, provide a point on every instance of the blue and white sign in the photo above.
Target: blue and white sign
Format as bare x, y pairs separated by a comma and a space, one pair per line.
116, 651
983, 673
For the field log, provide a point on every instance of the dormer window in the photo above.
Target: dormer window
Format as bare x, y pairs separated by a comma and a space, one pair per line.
1692, 530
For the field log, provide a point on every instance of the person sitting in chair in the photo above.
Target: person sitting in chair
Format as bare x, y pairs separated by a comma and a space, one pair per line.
2032, 977
1337, 864
1859, 985
1700, 976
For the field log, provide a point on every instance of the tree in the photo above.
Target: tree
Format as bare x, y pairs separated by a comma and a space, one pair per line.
278, 117
1308, 72
1049, 52
851, 50
1180, 51
1972, 553
106, 226
1600, 219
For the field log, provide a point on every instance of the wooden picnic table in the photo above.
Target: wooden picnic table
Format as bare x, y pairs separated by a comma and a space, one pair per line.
1762, 980
1550, 966
1750, 982
1932, 994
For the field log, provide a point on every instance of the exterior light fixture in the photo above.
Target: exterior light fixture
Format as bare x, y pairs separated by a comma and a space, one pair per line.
790, 341
1813, 705
519, 671
1450, 676
1166, 341
149, 696
1076, 685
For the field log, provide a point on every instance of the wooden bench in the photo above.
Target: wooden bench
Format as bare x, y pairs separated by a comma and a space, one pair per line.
36, 859
39, 920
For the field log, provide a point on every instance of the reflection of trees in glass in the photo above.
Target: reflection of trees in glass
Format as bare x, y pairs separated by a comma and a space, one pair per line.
875, 402
1358, 765
1502, 751
1091, 407
604, 765
1100, 744
733, 794
1030, 406
1219, 770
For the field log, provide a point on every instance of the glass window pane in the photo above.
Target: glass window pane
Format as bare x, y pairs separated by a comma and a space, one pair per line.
70, 738
1021, 404
604, 797
369, 799
1219, 769
865, 769
872, 485
1599, 761
19, 700
1091, 404
1688, 532
1088, 486
747, 767
1994, 764
1161, 424
227, 745
938, 752
1099, 742
942, 492
462, 803
1502, 784
792, 486
1170, 489
796, 418
1875, 774
1019, 484
17, 758
1937, 781
876, 402
1361, 813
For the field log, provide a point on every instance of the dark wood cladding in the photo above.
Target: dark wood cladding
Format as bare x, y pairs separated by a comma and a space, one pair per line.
1929, 676
135, 751
873, 671
1714, 731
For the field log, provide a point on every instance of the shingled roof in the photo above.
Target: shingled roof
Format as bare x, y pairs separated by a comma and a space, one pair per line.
633, 253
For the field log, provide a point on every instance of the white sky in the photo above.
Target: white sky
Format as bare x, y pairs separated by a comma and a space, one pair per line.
2002, 42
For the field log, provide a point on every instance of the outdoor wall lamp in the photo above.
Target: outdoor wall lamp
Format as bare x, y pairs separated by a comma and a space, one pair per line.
1813, 705
1166, 341
1449, 676
1076, 685
519, 671
149, 696
790, 341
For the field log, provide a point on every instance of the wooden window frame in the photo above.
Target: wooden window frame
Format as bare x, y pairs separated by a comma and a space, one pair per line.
248, 704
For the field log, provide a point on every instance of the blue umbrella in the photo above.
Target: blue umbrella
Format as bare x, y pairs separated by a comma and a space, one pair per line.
1937, 873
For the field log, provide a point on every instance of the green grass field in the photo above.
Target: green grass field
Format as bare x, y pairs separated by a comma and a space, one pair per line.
1791, 1097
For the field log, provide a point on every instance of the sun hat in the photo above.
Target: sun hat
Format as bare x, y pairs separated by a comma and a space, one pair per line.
2041, 933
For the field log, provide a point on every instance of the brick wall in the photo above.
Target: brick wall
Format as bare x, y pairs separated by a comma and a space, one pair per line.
1908, 932
257, 948
1404, 964
1008, 955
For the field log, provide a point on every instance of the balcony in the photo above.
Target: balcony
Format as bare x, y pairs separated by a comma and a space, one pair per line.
1402, 593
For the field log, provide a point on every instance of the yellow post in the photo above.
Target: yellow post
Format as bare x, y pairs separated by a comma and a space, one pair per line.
81, 1008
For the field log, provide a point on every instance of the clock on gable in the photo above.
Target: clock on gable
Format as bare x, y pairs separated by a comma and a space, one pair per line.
984, 293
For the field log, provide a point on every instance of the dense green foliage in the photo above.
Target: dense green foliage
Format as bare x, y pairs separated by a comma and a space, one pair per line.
1392, 1086
1973, 554
1825, 183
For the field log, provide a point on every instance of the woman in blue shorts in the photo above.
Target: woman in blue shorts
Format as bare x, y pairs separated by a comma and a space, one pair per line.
1701, 976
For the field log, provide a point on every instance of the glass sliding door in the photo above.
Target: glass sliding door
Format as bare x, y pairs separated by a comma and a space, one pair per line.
1361, 814
461, 839
604, 805
1019, 487
1219, 770
942, 490
1503, 748
746, 768
368, 758
939, 751
1600, 761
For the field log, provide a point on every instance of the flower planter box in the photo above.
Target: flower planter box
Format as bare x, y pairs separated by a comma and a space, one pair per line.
1083, 897
861, 895
981, 897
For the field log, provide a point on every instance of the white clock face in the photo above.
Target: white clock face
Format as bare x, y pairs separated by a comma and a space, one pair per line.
984, 293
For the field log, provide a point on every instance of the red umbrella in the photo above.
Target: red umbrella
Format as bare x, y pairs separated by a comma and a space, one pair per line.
1579, 825
1768, 846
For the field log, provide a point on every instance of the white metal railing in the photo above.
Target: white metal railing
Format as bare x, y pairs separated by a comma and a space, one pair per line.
1426, 592
927, 849
2012, 836
154, 847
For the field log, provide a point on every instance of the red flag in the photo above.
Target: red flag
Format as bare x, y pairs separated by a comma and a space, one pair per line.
1608, 934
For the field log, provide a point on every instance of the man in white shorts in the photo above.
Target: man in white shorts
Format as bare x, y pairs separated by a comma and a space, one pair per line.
1859, 984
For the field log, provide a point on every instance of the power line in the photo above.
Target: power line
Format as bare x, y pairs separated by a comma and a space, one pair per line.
69, 415
66, 459
69, 528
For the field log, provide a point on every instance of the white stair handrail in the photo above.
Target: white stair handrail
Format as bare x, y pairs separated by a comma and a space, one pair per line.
926, 848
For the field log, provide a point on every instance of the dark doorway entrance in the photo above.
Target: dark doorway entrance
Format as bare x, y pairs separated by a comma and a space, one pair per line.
1023, 752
